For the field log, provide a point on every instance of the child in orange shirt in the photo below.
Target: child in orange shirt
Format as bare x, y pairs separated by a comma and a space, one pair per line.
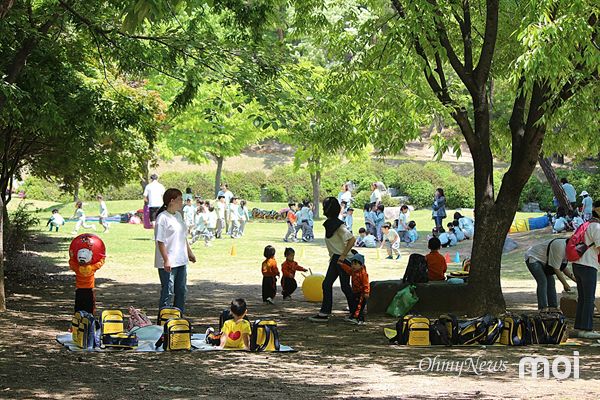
291, 223
85, 298
436, 263
361, 288
270, 274
288, 273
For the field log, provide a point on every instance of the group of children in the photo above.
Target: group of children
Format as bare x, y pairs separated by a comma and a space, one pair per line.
299, 217
56, 220
461, 228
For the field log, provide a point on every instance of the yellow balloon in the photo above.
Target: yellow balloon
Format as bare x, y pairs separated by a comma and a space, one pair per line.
312, 287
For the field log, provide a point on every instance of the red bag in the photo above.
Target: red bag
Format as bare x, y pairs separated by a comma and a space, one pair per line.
576, 246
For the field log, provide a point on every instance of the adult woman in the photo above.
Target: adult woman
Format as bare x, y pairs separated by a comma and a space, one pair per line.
375, 194
544, 260
339, 241
439, 207
172, 250
345, 195
586, 272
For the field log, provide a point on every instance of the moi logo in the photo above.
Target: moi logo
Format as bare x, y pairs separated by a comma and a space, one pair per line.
562, 367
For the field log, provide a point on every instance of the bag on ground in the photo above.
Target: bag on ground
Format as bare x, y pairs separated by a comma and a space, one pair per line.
403, 301
83, 330
111, 322
121, 340
177, 335
514, 330
264, 336
547, 328
412, 330
166, 313
475, 330
416, 269
137, 319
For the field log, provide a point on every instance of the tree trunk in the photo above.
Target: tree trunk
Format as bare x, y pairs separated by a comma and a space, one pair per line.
557, 188
76, 192
315, 180
144, 174
218, 174
2, 294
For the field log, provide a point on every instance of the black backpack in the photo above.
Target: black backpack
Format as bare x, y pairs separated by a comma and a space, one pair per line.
547, 328
416, 270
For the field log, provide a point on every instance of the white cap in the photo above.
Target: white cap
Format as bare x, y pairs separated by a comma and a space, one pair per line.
584, 193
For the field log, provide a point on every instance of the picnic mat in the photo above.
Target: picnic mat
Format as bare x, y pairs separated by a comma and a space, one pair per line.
147, 337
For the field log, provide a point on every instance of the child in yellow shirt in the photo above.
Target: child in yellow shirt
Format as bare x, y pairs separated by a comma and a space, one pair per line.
235, 333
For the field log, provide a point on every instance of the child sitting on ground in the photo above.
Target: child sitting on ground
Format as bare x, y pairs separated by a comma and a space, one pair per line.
411, 235
361, 288
560, 222
576, 220
369, 219
460, 235
446, 238
288, 273
56, 220
270, 274
365, 239
453, 239
391, 241
436, 263
235, 332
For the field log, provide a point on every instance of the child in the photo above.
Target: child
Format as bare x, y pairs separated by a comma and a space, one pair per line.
360, 287
446, 238
369, 219
379, 219
212, 220
460, 235
309, 235
188, 195
365, 240
55, 220
586, 204
402, 227
349, 220
343, 210
411, 234
244, 216
288, 273
560, 222
80, 215
436, 263
452, 235
391, 241
576, 220
465, 224
270, 274
234, 218
235, 333
301, 220
103, 213
221, 206
189, 212
291, 223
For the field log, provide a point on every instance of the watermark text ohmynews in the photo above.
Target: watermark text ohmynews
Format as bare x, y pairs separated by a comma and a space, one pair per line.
559, 367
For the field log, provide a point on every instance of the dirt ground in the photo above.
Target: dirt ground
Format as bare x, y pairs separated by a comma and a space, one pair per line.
334, 360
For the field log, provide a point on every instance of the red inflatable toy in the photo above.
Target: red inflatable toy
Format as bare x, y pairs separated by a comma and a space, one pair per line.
87, 250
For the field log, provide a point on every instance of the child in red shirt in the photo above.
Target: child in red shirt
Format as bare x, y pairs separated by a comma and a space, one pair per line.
270, 274
288, 273
436, 263
361, 288
291, 223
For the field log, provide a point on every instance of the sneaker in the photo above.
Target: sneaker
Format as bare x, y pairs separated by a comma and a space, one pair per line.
398, 257
285, 240
361, 322
389, 258
589, 335
319, 318
351, 320
270, 300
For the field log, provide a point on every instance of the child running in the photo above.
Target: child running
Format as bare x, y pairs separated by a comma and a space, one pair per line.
291, 223
235, 333
288, 273
80, 215
270, 274
360, 287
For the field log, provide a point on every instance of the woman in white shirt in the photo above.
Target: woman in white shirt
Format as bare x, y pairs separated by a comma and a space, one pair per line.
375, 194
345, 195
172, 250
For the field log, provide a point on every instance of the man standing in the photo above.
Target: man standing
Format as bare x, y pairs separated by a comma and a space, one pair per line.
153, 196
570, 192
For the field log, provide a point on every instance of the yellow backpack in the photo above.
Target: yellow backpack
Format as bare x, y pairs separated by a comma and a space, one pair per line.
177, 335
264, 336
83, 330
166, 313
111, 322
412, 330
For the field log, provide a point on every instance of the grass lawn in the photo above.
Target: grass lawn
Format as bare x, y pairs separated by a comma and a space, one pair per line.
131, 247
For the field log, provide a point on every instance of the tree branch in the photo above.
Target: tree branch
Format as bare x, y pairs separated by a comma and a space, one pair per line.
482, 70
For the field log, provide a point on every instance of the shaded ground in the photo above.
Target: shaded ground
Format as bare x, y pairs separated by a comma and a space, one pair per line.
333, 360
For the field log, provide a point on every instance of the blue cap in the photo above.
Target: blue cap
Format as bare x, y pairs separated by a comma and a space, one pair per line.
358, 257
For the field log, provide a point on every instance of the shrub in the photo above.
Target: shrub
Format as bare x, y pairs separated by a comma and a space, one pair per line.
420, 193
19, 227
360, 199
536, 191
40, 189
129, 191
276, 193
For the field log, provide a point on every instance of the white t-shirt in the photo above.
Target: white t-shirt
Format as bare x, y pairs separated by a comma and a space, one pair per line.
57, 219
221, 209
171, 230
345, 196
212, 220
188, 212
154, 192
80, 214
103, 210
592, 235
555, 258
234, 212
402, 222
337, 243
392, 236
375, 196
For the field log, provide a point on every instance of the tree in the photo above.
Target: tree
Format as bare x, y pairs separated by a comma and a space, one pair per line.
549, 57
219, 123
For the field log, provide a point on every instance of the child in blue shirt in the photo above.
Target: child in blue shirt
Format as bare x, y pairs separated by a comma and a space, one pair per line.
349, 220
411, 234
365, 239
379, 220
460, 235
369, 219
